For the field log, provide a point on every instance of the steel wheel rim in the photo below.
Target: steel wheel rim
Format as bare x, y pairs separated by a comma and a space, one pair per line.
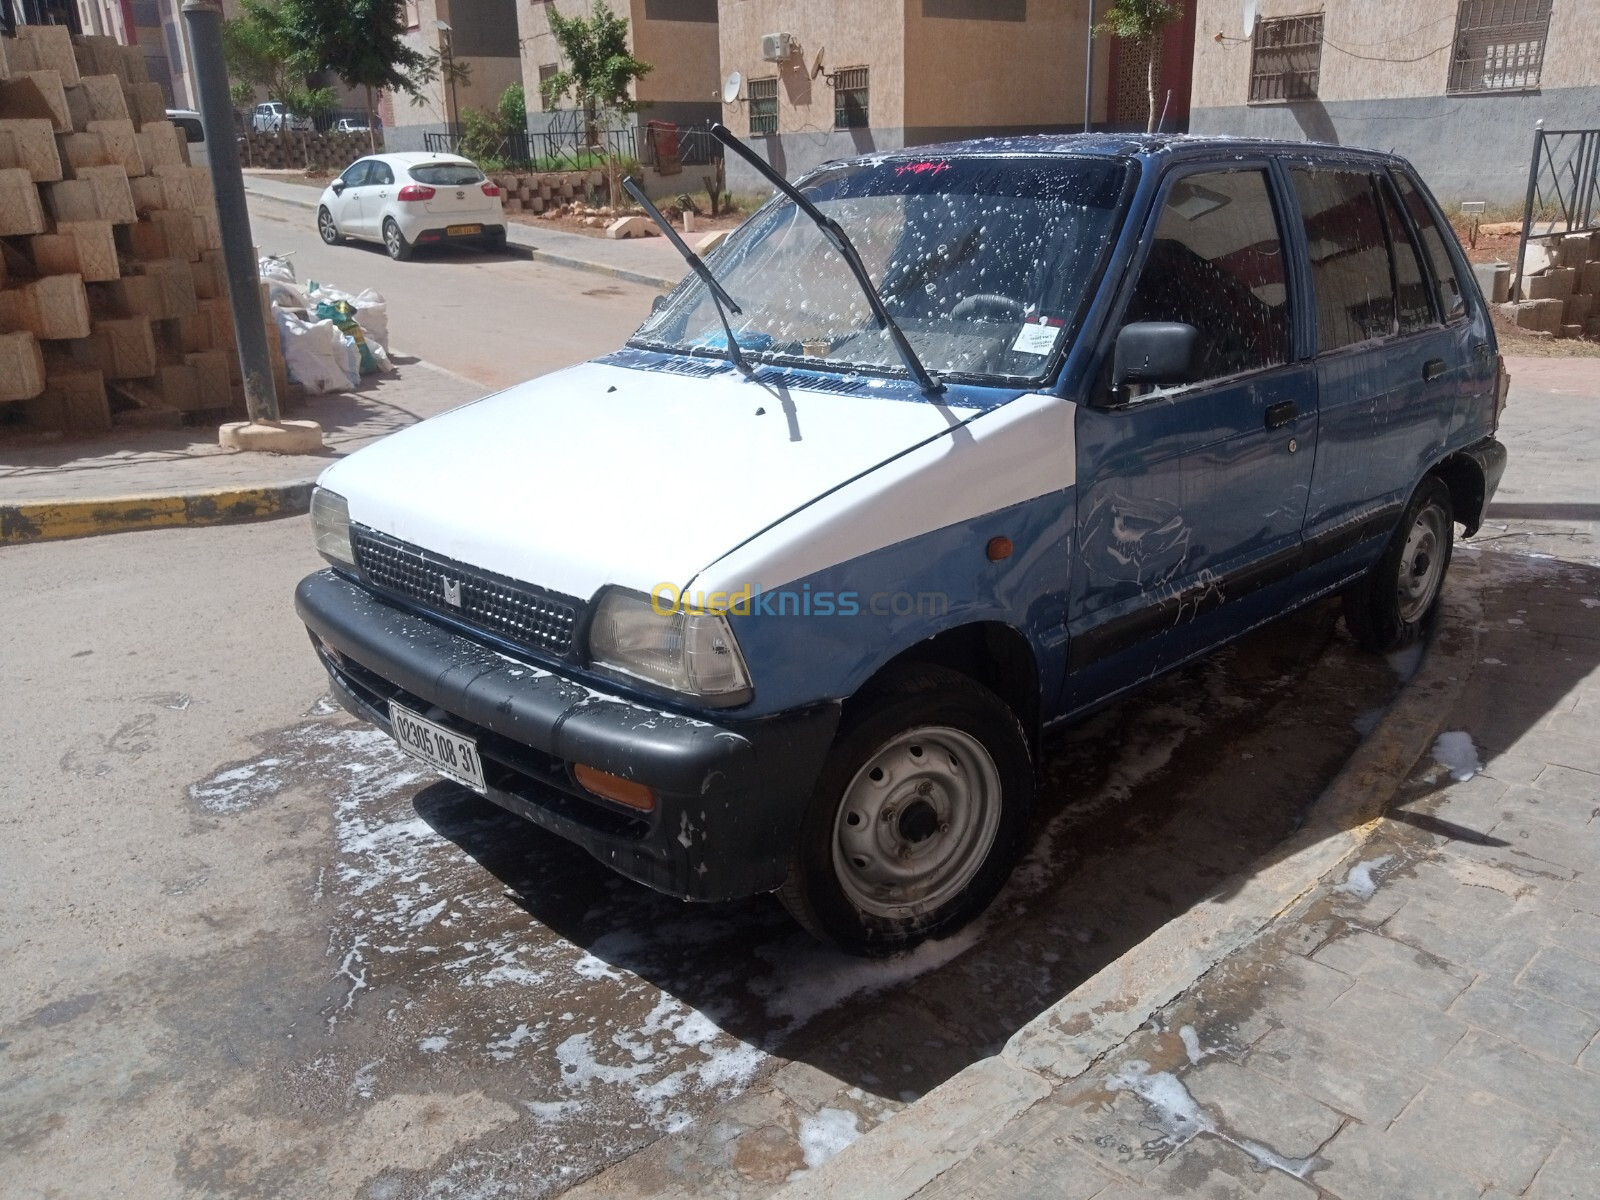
1421, 564
916, 822
391, 237
325, 222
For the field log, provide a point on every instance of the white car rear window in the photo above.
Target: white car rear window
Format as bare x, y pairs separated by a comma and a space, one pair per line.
447, 174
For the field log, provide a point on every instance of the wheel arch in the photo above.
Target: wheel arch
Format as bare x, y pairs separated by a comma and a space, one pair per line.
1464, 477
992, 653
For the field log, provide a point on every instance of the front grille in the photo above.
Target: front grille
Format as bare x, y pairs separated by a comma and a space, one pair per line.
518, 612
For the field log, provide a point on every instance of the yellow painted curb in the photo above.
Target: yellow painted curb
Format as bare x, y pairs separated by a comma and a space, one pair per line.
51, 520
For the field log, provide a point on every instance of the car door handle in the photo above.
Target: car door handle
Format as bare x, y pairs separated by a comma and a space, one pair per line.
1432, 369
1281, 413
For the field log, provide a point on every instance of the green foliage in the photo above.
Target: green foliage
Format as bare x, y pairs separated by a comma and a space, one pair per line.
482, 137
438, 68
513, 108
243, 93
258, 52
360, 41
599, 69
1138, 20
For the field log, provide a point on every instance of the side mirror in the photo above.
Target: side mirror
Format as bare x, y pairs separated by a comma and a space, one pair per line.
1154, 352
338, 187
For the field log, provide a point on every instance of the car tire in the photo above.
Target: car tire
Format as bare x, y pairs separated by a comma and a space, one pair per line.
325, 226
395, 242
928, 767
1391, 605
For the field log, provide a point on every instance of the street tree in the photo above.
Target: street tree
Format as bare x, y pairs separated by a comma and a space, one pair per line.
1141, 22
360, 41
598, 68
259, 54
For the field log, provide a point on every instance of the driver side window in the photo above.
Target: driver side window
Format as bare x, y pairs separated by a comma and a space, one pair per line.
1216, 263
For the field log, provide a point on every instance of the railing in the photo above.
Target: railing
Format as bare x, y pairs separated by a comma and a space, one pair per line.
555, 149
1563, 188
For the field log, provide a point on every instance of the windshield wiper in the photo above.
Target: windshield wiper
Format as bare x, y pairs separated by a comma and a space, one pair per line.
724, 302
836, 235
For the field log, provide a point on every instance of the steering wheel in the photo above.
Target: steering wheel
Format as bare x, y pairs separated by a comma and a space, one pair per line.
987, 306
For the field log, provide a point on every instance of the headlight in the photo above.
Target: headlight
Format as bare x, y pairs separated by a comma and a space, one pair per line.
694, 653
330, 525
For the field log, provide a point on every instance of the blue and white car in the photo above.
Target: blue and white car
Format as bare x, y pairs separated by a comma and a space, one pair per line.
784, 595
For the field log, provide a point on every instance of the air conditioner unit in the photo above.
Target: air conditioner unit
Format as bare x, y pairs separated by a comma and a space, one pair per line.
777, 47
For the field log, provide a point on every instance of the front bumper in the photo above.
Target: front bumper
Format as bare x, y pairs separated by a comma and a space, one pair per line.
730, 795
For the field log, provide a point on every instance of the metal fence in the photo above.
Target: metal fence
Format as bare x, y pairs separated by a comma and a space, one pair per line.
567, 144
1563, 188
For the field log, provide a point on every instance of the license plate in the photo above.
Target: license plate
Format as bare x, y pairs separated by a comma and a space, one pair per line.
458, 230
445, 750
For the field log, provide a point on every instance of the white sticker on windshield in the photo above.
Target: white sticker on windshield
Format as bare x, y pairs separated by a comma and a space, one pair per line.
1036, 339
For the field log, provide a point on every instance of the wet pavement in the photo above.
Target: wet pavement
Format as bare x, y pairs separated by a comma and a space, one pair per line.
453, 970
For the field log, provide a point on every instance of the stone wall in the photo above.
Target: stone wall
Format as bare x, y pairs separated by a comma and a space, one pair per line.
331, 152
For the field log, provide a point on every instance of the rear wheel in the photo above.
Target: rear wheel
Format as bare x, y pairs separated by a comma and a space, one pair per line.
918, 815
326, 227
1390, 606
395, 242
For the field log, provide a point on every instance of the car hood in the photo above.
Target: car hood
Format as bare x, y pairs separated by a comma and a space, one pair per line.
603, 474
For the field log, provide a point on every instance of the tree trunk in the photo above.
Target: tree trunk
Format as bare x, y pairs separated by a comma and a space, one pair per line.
372, 134
1150, 85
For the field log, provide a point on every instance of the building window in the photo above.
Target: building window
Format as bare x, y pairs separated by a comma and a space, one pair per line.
1499, 45
763, 107
1286, 58
850, 98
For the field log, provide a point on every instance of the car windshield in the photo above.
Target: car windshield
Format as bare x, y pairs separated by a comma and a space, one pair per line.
447, 174
985, 262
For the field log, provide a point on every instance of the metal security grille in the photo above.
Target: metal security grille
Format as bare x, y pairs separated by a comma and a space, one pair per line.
850, 98
1499, 45
518, 612
763, 106
1286, 58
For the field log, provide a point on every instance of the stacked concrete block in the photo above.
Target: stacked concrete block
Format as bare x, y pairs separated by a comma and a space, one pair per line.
1561, 290
111, 245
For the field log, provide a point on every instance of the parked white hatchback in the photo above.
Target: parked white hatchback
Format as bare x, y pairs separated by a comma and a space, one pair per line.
410, 200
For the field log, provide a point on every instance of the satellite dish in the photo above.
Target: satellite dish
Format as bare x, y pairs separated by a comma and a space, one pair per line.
1249, 18
730, 89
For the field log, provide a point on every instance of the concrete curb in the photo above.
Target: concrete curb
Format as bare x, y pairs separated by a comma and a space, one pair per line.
913, 1148
519, 242
53, 520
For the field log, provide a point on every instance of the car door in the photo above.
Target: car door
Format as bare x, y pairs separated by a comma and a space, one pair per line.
1192, 498
347, 203
376, 193
1384, 360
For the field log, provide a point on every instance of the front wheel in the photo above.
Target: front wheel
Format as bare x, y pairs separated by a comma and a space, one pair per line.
1391, 604
918, 816
395, 242
326, 227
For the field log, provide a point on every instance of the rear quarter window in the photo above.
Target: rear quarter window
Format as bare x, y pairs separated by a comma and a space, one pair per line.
1451, 302
447, 174
192, 130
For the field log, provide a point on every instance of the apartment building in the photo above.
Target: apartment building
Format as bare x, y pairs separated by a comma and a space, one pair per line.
1454, 85
831, 78
480, 35
678, 38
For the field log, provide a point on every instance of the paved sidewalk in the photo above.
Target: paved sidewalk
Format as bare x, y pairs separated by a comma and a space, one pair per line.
117, 477
650, 261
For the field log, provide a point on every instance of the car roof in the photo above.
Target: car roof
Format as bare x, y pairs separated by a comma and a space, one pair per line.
1147, 146
412, 158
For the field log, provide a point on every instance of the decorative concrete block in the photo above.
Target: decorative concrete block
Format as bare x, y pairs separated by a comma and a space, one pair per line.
1555, 284
20, 211
30, 143
21, 366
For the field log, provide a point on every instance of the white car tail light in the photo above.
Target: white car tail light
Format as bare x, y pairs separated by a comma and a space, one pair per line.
415, 191
490, 189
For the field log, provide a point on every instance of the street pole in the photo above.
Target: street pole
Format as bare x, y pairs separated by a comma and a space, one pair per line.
455, 105
1088, 71
204, 21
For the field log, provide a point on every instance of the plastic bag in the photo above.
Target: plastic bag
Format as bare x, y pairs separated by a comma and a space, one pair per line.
318, 356
343, 314
372, 310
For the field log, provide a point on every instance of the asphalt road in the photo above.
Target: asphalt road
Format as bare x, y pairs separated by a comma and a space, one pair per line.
494, 318
252, 951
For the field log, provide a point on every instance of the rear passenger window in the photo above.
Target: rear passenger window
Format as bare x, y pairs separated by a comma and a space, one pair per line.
1349, 256
1451, 302
1217, 263
381, 174
1411, 285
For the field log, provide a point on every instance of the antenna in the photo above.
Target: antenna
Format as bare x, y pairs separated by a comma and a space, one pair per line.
1249, 17
730, 87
